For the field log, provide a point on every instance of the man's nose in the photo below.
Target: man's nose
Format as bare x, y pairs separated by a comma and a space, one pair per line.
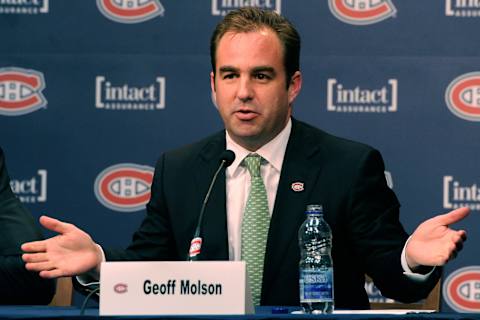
245, 90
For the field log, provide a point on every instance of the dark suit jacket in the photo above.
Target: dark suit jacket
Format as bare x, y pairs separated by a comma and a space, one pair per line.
346, 177
17, 285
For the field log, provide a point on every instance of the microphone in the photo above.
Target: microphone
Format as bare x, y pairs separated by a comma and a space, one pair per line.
226, 159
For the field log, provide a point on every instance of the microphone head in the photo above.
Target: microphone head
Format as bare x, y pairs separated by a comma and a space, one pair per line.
227, 156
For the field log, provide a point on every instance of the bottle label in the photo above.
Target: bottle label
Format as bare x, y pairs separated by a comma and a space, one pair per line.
316, 285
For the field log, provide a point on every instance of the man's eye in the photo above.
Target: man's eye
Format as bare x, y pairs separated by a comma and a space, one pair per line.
261, 76
229, 76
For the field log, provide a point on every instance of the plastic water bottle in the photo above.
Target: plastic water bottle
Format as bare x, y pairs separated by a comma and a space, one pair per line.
316, 266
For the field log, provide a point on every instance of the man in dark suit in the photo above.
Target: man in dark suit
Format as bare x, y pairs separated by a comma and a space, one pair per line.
17, 284
255, 79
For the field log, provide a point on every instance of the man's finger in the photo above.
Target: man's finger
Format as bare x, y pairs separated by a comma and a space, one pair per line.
55, 225
452, 217
51, 274
34, 246
39, 266
35, 257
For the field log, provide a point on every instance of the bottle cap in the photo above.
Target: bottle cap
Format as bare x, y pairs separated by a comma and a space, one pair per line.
314, 209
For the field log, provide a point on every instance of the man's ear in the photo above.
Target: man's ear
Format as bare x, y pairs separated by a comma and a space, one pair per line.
295, 86
213, 92
212, 82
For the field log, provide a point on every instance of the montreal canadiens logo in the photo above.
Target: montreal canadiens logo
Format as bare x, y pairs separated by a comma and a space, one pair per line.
120, 288
297, 186
130, 11
21, 91
124, 187
463, 96
195, 247
362, 12
461, 289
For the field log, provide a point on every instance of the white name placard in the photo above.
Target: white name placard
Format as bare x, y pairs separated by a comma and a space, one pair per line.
174, 288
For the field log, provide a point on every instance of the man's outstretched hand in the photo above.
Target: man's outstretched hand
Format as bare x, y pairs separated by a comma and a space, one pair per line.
434, 243
69, 253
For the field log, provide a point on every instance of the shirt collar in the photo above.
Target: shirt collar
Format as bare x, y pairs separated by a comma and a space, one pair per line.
273, 151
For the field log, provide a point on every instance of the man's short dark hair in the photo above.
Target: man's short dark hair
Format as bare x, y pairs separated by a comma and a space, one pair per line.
251, 19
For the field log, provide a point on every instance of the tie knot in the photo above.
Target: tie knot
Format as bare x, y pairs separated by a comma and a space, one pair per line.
252, 162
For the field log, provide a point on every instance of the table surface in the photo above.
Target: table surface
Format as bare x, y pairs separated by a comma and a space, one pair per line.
30, 312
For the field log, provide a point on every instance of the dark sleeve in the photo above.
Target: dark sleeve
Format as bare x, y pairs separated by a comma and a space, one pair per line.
18, 285
378, 234
154, 239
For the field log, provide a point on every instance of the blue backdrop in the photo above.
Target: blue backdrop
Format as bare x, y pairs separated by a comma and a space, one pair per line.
92, 92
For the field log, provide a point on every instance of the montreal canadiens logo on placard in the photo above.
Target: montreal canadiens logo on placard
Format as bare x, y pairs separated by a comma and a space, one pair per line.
120, 288
362, 12
21, 91
463, 96
130, 11
461, 289
124, 187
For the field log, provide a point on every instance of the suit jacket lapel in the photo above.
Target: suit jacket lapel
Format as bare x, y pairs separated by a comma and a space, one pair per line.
214, 226
301, 165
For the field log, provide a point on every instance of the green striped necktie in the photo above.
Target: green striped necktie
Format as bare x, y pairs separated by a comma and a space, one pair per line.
256, 220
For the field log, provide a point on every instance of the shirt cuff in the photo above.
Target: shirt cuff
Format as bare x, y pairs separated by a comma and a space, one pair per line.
91, 277
417, 277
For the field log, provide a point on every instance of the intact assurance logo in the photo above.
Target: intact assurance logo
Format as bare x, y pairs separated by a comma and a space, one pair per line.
31, 190
23, 6
462, 8
457, 194
112, 96
21, 91
222, 7
356, 99
124, 187
130, 11
463, 96
362, 12
461, 289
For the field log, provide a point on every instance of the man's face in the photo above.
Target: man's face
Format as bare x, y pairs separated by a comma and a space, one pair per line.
250, 87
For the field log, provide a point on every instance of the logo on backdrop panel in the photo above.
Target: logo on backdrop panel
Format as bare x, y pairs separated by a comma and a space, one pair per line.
21, 91
461, 289
124, 187
362, 12
222, 7
130, 11
457, 194
462, 8
341, 98
112, 96
23, 6
31, 190
463, 96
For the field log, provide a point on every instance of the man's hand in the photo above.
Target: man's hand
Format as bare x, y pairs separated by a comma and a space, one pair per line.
69, 253
433, 243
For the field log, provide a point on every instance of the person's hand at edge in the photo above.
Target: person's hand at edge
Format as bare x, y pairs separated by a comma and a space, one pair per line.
69, 253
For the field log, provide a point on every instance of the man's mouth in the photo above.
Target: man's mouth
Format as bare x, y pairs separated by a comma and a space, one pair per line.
246, 114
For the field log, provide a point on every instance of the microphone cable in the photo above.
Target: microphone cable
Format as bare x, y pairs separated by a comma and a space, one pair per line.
89, 295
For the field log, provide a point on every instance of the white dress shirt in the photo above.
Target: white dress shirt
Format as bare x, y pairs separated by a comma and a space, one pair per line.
238, 183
